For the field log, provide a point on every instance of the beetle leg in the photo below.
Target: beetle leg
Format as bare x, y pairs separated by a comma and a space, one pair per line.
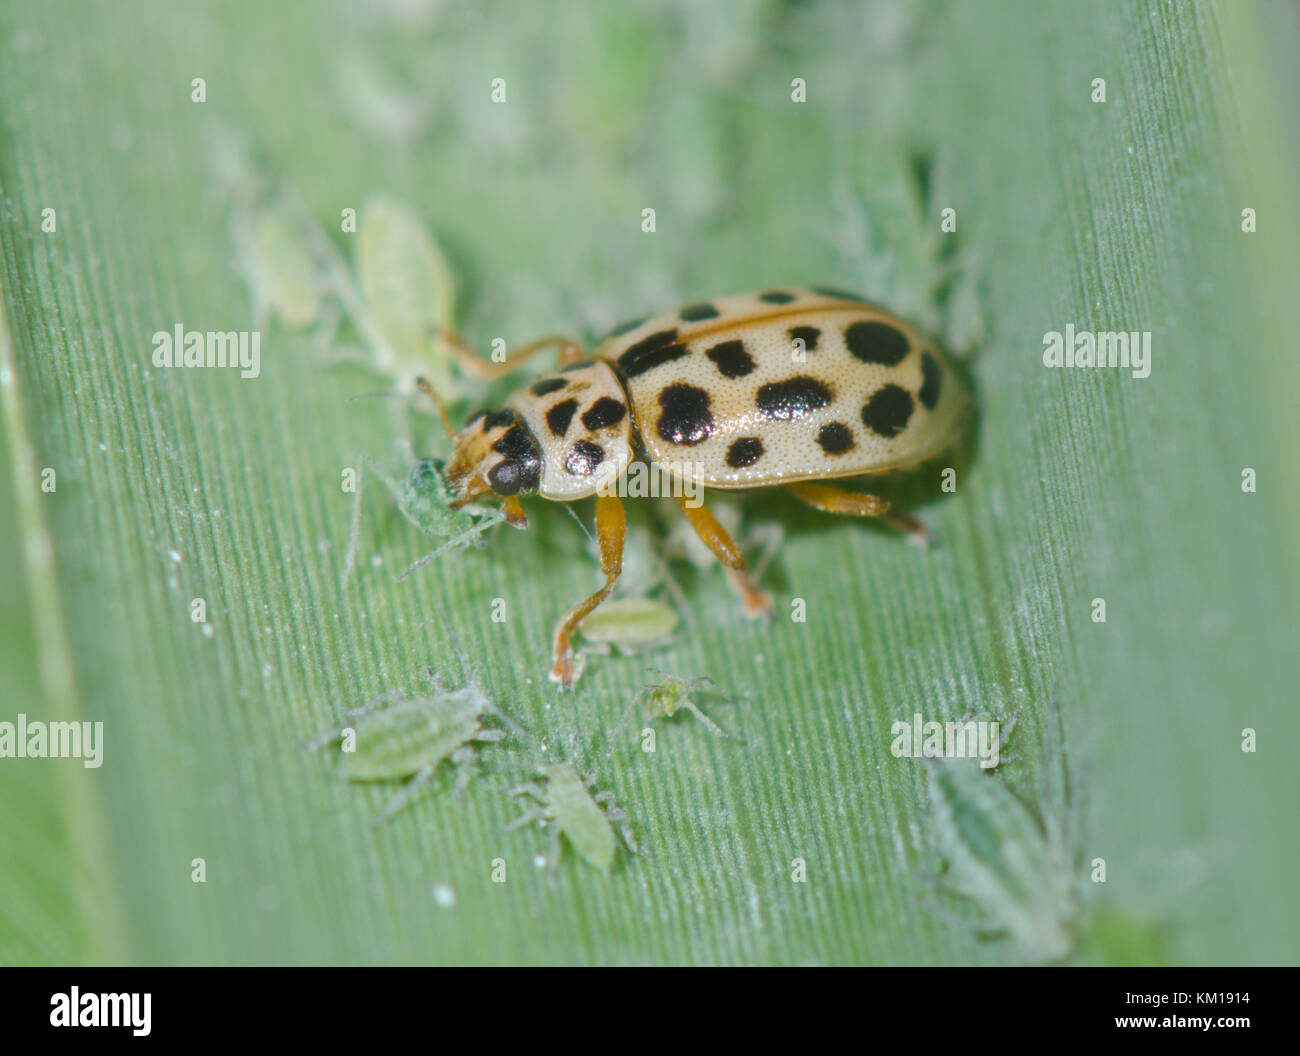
514, 511
830, 499
611, 533
756, 603
487, 370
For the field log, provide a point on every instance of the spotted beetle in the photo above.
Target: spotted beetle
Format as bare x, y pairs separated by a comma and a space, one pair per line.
790, 387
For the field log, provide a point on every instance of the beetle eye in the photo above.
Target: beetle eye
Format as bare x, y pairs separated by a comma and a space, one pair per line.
505, 477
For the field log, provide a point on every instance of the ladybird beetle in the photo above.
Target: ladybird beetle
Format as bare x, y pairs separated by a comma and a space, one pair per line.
789, 387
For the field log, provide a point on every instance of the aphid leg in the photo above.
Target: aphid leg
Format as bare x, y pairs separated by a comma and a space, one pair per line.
611, 532
490, 736
618, 816
534, 791
553, 856
627, 714
532, 814
757, 602
417, 781
354, 529
487, 370
709, 724
463, 760
830, 499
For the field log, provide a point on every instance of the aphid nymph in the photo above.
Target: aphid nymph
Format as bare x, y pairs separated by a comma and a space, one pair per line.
670, 694
564, 800
1011, 863
394, 739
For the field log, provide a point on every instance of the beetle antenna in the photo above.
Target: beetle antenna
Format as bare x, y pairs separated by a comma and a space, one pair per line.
423, 385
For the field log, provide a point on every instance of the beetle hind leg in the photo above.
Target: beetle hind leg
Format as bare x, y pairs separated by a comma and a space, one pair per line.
830, 499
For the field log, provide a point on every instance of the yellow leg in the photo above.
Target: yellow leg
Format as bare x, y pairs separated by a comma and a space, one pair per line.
831, 499
611, 531
487, 370
755, 601
715, 536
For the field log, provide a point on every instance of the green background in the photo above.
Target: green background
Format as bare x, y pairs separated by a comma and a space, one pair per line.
1117, 215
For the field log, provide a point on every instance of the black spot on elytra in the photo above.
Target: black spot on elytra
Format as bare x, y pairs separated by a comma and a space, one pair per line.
931, 376
583, 458
623, 328
888, 411
744, 452
776, 297
604, 412
650, 352
686, 417
547, 386
835, 438
731, 359
491, 419
876, 342
559, 416
839, 295
786, 401
694, 313
807, 334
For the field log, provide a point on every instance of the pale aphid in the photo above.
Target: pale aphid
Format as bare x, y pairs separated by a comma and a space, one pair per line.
422, 497
409, 290
285, 280
670, 694
631, 624
563, 800
293, 271
1013, 863
398, 739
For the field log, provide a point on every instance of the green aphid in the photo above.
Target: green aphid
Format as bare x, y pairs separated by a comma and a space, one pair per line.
409, 291
285, 279
395, 739
672, 693
629, 623
424, 499
564, 801
1002, 856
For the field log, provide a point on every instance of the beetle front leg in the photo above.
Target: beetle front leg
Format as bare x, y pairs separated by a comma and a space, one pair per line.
611, 534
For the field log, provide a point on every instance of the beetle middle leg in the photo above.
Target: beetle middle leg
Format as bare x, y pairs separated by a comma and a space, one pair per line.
757, 602
830, 499
611, 534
